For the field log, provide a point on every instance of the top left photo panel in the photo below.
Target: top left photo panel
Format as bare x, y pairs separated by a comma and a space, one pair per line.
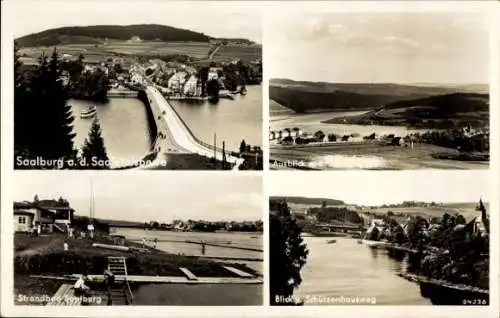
166, 86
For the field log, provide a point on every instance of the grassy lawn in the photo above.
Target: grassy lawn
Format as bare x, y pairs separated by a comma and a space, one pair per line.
45, 255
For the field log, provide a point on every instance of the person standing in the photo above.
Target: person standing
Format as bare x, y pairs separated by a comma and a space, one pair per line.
203, 247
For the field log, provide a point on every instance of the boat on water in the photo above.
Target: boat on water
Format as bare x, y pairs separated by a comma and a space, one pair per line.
331, 241
89, 112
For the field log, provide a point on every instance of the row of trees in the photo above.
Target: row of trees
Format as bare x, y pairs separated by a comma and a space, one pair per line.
89, 84
342, 214
455, 139
43, 120
455, 250
206, 226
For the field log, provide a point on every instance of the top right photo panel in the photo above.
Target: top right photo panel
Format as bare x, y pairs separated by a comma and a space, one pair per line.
378, 90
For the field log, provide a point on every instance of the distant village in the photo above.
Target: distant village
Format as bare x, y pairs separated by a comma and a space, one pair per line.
56, 215
206, 226
466, 138
291, 136
176, 76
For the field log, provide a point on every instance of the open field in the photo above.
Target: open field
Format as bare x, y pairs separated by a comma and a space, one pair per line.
99, 52
123, 48
244, 52
466, 210
371, 156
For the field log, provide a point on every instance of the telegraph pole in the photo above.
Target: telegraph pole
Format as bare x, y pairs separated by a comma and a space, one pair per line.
215, 151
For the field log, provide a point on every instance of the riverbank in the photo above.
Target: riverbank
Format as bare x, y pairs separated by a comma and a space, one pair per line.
45, 255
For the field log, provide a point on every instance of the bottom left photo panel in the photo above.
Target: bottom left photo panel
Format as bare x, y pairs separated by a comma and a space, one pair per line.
163, 239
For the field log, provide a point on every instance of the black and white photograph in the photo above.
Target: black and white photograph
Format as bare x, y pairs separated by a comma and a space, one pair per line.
177, 87
354, 240
139, 240
378, 90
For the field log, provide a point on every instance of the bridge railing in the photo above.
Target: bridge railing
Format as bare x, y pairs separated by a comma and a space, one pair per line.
199, 141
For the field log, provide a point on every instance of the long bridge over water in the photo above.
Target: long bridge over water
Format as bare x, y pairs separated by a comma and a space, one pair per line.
175, 136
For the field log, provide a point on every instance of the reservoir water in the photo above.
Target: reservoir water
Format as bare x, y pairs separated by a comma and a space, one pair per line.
349, 269
355, 157
314, 122
124, 127
175, 243
232, 120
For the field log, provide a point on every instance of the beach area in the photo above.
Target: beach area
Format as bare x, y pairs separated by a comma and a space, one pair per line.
41, 266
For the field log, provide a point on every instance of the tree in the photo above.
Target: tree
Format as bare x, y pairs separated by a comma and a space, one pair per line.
319, 134
287, 252
23, 116
332, 137
52, 128
213, 88
416, 231
243, 146
288, 139
94, 152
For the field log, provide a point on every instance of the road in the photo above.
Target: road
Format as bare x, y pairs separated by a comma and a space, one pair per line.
178, 138
211, 56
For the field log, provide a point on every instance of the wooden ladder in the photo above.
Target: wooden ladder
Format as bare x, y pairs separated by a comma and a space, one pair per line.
117, 265
118, 293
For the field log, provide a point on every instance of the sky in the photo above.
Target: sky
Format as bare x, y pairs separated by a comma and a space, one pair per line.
159, 197
390, 47
377, 188
213, 19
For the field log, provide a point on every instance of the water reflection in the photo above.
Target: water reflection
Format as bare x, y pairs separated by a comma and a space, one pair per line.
230, 120
349, 269
124, 127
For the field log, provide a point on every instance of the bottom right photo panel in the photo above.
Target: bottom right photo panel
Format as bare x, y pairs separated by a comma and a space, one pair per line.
379, 238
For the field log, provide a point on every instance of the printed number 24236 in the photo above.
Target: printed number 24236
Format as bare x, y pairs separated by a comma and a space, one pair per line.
473, 302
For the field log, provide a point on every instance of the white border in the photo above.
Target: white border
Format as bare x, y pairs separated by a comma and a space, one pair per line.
262, 311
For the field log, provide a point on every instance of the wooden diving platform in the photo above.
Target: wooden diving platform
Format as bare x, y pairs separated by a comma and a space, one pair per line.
238, 272
188, 273
176, 279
